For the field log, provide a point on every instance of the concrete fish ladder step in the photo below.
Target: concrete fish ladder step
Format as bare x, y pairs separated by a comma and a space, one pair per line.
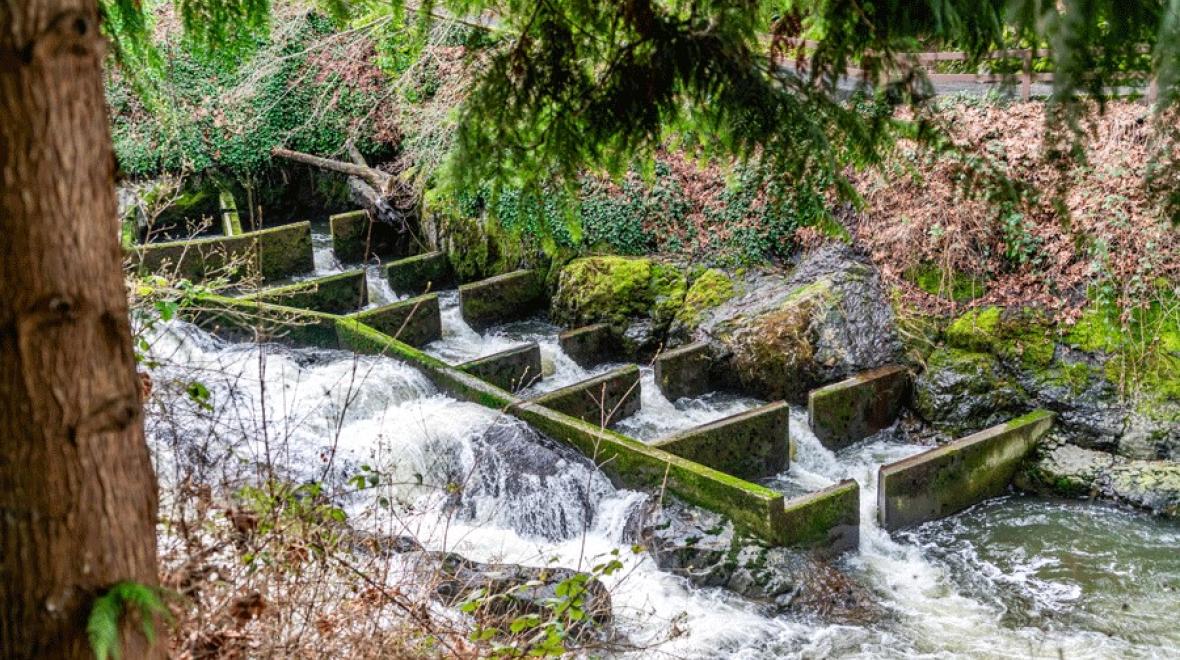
751, 444
342, 293
604, 400
948, 479
507, 297
415, 321
851, 410
512, 370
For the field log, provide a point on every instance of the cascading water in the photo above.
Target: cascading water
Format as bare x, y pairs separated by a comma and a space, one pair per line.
1013, 577
323, 256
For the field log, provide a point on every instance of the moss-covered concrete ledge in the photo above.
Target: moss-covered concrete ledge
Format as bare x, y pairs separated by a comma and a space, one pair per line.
948, 479
420, 273
512, 370
683, 371
750, 445
828, 520
590, 345
851, 410
603, 400
274, 254
341, 293
355, 237
237, 319
506, 297
414, 321
754, 509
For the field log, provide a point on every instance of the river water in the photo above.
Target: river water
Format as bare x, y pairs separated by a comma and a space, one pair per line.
1015, 577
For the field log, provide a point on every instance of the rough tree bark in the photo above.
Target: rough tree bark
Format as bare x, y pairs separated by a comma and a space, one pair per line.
77, 489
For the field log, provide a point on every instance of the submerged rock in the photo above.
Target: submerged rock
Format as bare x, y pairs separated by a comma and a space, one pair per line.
510, 590
1070, 471
703, 547
781, 336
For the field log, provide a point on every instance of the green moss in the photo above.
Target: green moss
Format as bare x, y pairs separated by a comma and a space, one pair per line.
710, 289
1142, 350
976, 330
616, 289
954, 285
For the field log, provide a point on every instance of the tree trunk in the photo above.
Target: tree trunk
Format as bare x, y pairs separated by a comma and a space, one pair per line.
77, 489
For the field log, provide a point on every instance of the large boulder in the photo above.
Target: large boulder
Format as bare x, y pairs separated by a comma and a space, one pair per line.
780, 336
999, 362
964, 391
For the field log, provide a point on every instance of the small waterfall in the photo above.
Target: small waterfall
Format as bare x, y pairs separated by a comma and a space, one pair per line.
322, 253
380, 293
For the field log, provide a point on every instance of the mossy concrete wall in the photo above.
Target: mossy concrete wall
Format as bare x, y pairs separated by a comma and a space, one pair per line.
512, 370
754, 509
236, 319
750, 445
506, 297
853, 409
356, 237
342, 293
948, 479
416, 321
828, 519
604, 400
231, 222
683, 371
273, 254
419, 274
589, 345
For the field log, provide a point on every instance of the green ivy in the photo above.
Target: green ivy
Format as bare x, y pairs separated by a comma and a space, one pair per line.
213, 120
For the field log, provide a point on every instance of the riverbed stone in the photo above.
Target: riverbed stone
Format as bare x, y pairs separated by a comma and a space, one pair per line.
782, 336
703, 547
1066, 470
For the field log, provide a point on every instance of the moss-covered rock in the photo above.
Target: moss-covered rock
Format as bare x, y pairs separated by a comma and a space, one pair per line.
638, 297
710, 289
781, 335
964, 391
477, 247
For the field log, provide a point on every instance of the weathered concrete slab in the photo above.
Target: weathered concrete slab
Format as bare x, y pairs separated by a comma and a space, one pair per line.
235, 319
420, 273
335, 294
274, 254
512, 370
603, 400
507, 297
416, 321
853, 409
751, 445
683, 371
948, 479
589, 345
827, 520
356, 237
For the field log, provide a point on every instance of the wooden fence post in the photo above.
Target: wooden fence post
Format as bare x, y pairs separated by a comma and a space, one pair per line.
1026, 83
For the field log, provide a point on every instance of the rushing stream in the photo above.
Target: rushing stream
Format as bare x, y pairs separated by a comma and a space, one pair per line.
1014, 577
